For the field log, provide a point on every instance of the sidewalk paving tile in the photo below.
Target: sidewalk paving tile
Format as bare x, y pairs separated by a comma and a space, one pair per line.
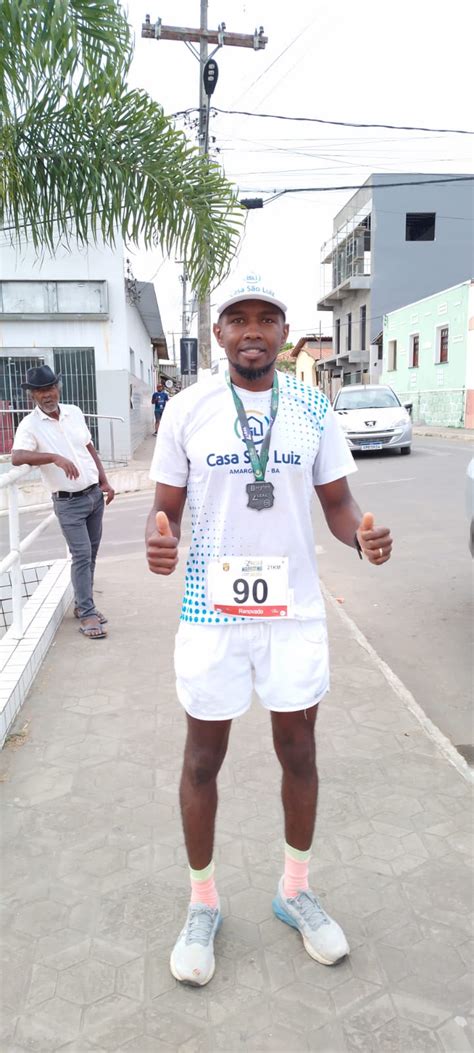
95, 881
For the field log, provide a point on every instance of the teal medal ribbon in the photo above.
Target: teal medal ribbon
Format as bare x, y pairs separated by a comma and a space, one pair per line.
260, 493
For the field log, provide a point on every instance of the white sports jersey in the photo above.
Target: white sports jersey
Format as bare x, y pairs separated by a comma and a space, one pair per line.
200, 446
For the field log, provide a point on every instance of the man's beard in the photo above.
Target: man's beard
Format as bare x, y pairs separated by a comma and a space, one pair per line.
253, 374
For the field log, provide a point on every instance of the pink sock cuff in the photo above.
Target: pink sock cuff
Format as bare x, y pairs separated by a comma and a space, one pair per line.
295, 877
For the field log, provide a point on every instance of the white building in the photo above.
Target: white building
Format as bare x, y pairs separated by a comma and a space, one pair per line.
78, 313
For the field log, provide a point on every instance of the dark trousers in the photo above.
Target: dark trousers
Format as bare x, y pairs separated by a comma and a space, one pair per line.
80, 519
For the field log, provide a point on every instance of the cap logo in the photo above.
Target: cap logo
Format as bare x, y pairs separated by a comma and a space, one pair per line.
253, 284
251, 287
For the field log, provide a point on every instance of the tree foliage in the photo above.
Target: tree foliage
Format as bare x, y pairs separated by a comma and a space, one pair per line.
82, 152
286, 364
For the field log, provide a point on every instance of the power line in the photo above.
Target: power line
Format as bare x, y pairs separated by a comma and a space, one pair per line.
277, 59
339, 124
322, 190
359, 186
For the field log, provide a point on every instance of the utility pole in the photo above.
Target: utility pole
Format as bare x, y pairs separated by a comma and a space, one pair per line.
184, 304
204, 305
204, 37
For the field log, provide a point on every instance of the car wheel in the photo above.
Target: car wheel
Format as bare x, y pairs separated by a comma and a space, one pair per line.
405, 450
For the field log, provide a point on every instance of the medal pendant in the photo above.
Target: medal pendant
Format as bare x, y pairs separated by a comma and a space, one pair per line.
260, 495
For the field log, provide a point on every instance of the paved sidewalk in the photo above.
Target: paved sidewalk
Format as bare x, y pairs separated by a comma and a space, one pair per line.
436, 431
95, 881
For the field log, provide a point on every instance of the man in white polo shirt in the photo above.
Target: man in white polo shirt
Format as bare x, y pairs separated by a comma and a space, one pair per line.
247, 451
55, 438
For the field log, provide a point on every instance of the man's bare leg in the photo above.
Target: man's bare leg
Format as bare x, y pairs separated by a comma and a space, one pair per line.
205, 749
295, 904
295, 747
192, 958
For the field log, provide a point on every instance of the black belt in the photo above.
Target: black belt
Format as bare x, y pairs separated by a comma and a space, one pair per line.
74, 493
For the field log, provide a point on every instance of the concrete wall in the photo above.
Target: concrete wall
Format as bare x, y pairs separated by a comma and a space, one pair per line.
107, 337
437, 389
305, 369
406, 271
141, 381
469, 410
110, 338
353, 304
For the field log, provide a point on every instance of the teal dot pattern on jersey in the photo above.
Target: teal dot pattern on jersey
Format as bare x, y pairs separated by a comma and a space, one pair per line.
221, 526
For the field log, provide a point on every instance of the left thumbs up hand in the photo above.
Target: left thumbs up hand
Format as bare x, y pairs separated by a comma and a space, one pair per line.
375, 542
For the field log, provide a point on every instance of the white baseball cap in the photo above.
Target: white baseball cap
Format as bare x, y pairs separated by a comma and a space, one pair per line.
251, 287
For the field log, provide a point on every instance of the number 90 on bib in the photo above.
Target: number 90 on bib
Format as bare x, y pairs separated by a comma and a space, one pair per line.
249, 586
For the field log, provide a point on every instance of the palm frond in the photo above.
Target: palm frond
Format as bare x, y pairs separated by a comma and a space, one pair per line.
82, 152
116, 163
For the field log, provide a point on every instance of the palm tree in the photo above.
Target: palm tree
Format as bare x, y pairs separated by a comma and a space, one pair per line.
82, 152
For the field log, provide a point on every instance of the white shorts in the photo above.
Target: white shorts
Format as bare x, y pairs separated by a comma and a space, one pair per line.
217, 667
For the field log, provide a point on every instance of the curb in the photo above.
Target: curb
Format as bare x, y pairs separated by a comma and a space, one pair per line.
459, 434
444, 745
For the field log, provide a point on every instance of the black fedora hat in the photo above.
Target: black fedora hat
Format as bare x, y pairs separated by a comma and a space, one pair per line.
40, 377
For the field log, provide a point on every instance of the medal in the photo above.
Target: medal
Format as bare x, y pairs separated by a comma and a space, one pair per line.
260, 495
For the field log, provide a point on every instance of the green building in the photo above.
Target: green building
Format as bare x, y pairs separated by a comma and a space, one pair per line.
428, 356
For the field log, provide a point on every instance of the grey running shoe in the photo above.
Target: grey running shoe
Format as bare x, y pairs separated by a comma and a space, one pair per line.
192, 958
323, 938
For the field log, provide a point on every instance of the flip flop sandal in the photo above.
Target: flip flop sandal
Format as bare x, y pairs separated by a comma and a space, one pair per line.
91, 632
102, 619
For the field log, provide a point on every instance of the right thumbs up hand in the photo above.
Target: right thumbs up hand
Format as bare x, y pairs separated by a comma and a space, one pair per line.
161, 547
163, 525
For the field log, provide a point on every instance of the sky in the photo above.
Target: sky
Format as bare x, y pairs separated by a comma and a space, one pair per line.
407, 63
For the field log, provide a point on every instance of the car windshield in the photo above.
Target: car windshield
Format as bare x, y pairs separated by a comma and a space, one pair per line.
369, 398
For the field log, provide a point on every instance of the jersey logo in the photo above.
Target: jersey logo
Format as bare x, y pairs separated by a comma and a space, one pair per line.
258, 425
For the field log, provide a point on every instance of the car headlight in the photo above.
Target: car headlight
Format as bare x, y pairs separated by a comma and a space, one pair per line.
402, 422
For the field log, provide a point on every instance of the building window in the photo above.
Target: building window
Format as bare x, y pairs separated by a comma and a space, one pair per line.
56, 299
442, 345
338, 336
349, 332
142, 373
414, 360
132, 361
420, 226
363, 326
392, 354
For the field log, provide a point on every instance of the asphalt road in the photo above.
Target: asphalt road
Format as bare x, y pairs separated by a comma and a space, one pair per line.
416, 611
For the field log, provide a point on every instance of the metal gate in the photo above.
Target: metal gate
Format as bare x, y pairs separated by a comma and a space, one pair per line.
78, 382
78, 386
12, 396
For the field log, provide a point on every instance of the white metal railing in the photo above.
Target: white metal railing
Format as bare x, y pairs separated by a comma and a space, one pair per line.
15, 415
10, 480
12, 561
105, 416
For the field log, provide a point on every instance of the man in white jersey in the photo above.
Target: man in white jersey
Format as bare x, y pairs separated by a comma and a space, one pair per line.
247, 451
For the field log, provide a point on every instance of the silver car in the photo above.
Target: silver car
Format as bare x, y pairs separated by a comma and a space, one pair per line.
373, 418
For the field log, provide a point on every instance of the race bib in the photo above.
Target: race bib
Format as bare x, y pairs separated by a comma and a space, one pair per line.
249, 586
